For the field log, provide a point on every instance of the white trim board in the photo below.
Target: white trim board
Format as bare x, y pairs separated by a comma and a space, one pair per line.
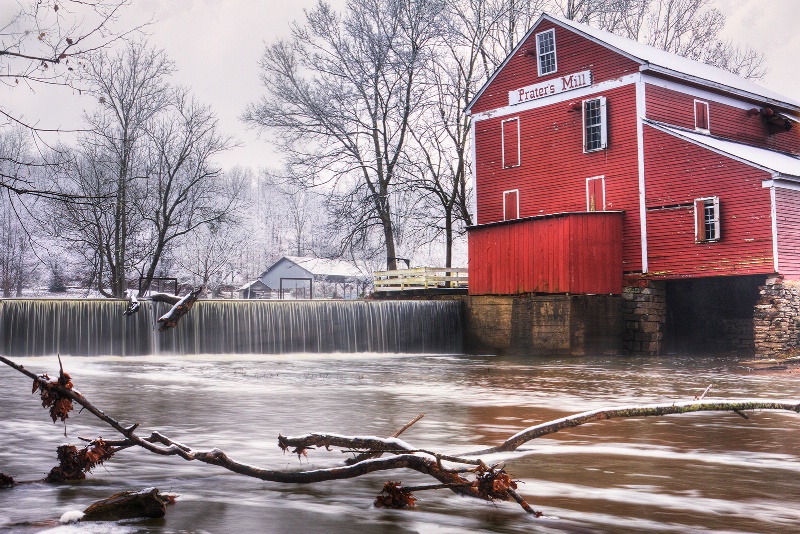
641, 112
576, 94
773, 208
781, 184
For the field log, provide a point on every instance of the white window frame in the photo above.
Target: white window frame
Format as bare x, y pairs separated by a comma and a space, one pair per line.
602, 179
504, 204
700, 232
539, 55
603, 123
708, 118
503, 143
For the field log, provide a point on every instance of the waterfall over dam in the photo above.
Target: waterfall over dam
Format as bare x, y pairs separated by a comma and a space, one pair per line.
98, 327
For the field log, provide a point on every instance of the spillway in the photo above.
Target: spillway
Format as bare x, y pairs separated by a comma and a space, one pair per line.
98, 327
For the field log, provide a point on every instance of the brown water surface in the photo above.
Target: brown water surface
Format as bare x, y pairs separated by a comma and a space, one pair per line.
709, 472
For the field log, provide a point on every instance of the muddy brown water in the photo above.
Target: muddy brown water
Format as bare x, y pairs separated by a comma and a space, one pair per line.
705, 472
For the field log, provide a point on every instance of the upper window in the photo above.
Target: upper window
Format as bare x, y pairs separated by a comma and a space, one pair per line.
546, 52
595, 129
706, 220
701, 115
510, 142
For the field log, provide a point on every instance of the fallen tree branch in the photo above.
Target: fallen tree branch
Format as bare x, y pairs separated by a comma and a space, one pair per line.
647, 410
179, 309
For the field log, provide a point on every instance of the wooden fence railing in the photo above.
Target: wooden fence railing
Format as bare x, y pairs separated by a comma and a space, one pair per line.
421, 278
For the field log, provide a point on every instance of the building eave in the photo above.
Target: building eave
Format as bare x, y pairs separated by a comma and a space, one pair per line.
746, 95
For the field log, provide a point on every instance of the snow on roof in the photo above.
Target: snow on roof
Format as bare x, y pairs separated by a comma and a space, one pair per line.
253, 283
771, 160
660, 61
676, 64
326, 267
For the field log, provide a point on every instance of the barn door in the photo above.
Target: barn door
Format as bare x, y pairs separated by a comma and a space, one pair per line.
511, 205
596, 194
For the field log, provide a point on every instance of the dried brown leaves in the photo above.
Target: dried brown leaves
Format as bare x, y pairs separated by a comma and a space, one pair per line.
394, 496
494, 483
73, 464
59, 405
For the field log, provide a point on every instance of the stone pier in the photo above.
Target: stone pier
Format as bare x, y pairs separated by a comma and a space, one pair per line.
776, 321
644, 305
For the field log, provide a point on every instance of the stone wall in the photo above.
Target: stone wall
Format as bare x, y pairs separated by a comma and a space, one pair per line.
544, 325
776, 322
644, 308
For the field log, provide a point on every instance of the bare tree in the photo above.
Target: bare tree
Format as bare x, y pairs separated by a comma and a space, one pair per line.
45, 43
208, 255
131, 89
145, 170
340, 96
184, 189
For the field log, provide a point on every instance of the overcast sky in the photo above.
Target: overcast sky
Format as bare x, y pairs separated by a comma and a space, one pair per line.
216, 45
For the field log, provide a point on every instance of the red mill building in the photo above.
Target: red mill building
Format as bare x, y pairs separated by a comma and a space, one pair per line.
670, 187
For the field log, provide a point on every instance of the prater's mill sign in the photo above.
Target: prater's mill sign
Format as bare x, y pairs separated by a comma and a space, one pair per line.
550, 87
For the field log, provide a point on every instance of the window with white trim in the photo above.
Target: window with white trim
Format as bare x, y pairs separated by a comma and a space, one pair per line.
706, 220
595, 124
511, 204
596, 194
701, 115
510, 143
546, 52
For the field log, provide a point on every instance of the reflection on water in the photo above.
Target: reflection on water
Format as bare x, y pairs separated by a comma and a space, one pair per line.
710, 472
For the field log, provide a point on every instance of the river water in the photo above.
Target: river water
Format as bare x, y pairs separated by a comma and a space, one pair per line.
710, 472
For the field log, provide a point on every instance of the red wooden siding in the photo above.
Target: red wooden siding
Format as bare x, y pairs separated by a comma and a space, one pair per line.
563, 253
674, 107
573, 54
678, 172
553, 171
787, 208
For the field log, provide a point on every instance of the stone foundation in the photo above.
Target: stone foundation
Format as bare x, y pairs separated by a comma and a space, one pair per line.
644, 306
776, 322
544, 325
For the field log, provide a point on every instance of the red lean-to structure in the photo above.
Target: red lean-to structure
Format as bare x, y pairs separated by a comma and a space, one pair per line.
601, 163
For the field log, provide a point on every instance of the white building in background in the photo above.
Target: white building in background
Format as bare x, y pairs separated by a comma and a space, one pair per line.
301, 277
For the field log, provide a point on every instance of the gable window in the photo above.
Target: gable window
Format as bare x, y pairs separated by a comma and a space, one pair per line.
510, 143
701, 115
706, 220
546, 52
596, 194
595, 128
511, 204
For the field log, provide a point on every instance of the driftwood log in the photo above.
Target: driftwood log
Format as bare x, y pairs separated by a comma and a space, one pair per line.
178, 310
129, 505
465, 474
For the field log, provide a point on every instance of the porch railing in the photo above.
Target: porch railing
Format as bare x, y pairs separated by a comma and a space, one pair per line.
421, 278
